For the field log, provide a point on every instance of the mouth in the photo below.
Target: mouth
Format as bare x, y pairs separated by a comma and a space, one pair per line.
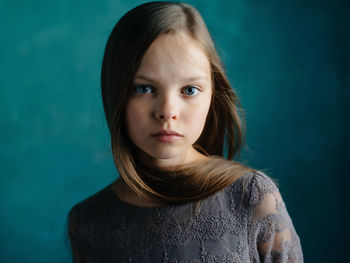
166, 132
166, 136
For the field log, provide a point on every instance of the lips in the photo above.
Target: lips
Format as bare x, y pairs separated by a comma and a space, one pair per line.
166, 136
166, 132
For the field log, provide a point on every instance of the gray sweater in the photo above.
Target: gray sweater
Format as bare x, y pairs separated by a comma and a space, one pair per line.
245, 222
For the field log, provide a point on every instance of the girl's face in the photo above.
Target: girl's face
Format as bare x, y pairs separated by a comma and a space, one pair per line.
169, 101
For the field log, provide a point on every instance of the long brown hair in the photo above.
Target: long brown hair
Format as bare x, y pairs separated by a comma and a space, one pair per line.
126, 45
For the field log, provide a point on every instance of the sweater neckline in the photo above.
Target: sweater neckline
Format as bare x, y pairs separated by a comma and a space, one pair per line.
137, 207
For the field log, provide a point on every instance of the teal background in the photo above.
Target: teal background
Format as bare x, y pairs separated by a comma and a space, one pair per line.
288, 61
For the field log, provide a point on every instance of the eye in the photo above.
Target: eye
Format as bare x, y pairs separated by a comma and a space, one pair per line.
191, 90
143, 89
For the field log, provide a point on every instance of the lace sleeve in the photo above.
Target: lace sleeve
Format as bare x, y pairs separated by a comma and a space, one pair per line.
271, 231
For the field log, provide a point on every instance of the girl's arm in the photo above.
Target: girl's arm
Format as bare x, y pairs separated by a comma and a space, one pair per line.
271, 231
73, 236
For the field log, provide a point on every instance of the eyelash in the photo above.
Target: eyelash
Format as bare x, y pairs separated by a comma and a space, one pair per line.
137, 90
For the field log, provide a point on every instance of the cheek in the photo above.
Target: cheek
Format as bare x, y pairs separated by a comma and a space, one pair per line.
197, 117
135, 118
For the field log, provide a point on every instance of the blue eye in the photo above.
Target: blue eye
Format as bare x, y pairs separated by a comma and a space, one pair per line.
190, 91
143, 89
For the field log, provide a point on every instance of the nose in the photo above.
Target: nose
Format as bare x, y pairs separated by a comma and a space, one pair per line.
166, 109
166, 116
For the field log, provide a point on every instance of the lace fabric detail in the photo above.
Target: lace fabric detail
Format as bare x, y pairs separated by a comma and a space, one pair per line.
272, 233
180, 231
246, 222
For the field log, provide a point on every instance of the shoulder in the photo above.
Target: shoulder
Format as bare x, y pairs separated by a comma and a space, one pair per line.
91, 206
260, 185
256, 181
263, 200
90, 215
271, 233
253, 182
254, 186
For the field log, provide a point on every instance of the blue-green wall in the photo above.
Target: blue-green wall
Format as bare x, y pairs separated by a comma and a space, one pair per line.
286, 59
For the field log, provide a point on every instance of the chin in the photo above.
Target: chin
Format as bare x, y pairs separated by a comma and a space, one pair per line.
163, 156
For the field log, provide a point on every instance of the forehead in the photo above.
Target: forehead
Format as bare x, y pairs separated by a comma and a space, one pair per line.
174, 56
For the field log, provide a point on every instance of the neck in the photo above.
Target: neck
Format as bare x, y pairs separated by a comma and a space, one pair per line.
170, 164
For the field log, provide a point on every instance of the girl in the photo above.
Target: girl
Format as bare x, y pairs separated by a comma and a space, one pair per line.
169, 109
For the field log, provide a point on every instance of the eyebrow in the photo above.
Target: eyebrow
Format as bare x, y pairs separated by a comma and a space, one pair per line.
189, 79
